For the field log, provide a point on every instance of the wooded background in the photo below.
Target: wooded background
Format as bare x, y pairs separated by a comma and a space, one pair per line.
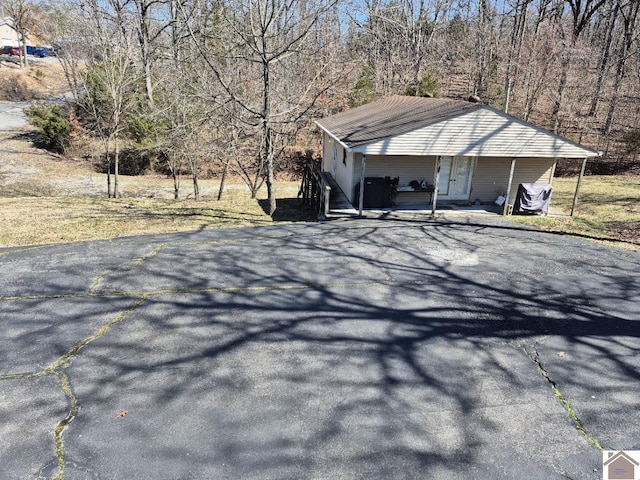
211, 86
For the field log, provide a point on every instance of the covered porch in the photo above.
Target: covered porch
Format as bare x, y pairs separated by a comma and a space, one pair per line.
438, 154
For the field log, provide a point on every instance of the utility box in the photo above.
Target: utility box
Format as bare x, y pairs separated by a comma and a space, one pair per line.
377, 193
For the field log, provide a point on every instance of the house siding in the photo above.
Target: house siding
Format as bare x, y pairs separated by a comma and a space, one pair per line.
406, 168
326, 152
344, 163
491, 175
8, 36
482, 133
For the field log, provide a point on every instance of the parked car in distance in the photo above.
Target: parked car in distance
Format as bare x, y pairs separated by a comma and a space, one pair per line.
7, 50
37, 51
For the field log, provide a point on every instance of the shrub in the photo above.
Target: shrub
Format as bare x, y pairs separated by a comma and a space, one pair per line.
364, 90
429, 86
52, 122
632, 141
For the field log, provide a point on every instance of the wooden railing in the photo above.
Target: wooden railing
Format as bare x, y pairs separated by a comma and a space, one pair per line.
315, 189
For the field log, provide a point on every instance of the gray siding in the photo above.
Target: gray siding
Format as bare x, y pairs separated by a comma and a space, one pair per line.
491, 175
407, 168
327, 152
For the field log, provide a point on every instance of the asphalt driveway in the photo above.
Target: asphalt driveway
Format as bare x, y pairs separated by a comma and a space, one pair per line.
12, 116
371, 349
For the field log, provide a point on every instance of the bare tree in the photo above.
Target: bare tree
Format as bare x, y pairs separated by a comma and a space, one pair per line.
629, 12
61, 29
109, 79
581, 13
21, 12
514, 57
269, 40
610, 21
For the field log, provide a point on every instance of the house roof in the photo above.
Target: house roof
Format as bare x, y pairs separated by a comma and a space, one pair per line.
391, 116
400, 125
618, 455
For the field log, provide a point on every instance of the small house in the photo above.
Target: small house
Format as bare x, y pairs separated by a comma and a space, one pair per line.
620, 466
439, 150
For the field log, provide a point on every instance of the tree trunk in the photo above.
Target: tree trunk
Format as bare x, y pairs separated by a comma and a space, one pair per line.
176, 184
116, 166
23, 58
558, 101
223, 179
630, 20
271, 195
267, 133
108, 159
196, 187
515, 50
604, 60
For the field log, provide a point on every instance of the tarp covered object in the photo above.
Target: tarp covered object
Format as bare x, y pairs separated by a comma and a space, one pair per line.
532, 198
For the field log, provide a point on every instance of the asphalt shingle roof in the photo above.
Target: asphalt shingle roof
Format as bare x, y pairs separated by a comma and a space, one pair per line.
391, 116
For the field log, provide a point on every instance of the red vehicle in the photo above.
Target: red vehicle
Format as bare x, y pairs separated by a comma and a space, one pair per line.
10, 50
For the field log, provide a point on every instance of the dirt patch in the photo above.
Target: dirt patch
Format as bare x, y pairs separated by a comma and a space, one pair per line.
39, 80
29, 171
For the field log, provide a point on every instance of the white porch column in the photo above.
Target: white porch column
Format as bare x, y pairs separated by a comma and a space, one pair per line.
362, 170
575, 196
435, 186
505, 209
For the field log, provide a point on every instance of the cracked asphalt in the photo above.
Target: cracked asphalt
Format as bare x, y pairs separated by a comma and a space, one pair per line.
374, 349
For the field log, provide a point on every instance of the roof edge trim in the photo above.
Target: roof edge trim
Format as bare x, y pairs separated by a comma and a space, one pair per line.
344, 145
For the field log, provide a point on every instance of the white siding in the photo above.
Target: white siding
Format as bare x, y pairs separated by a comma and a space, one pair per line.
484, 133
344, 162
8, 36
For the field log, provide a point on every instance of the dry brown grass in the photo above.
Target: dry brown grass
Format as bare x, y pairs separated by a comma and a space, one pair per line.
39, 80
48, 199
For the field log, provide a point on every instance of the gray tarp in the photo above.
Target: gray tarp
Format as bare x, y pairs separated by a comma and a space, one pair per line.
532, 198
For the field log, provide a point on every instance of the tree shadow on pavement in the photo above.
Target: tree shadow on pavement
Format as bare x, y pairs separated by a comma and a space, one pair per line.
290, 210
360, 349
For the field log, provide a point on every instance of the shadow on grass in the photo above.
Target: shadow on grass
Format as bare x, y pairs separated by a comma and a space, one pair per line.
290, 210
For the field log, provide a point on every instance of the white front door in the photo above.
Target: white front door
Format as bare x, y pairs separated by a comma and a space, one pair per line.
455, 178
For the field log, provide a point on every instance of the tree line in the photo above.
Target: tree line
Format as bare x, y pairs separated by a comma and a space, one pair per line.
239, 82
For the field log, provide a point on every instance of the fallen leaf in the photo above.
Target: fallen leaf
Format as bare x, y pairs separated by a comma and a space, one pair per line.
121, 414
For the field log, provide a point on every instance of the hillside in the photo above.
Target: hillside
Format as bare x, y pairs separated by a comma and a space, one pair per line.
43, 78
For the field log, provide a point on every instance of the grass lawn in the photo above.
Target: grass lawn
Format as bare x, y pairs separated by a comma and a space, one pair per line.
48, 199
35, 220
608, 209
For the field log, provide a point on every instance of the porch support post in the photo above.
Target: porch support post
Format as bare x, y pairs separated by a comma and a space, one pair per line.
435, 186
505, 209
575, 196
362, 170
